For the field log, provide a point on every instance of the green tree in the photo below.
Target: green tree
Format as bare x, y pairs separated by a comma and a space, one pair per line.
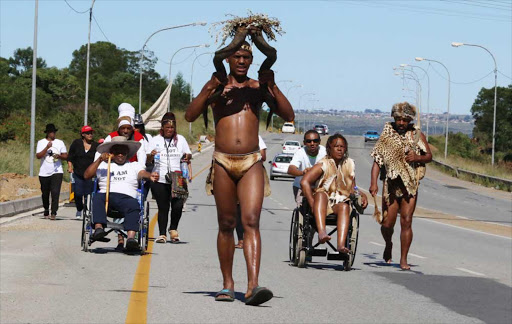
483, 113
22, 61
180, 93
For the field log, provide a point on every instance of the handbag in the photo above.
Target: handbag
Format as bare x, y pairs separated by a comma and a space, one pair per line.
179, 186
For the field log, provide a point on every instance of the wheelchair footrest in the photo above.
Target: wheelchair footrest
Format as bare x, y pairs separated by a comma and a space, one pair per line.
336, 256
115, 226
318, 252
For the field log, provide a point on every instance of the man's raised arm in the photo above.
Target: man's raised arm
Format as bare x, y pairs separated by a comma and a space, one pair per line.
284, 108
199, 103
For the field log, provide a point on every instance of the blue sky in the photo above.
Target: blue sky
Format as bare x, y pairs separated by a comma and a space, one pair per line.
343, 51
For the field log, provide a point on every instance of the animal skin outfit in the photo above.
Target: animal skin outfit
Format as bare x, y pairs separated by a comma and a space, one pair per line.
336, 181
236, 165
400, 178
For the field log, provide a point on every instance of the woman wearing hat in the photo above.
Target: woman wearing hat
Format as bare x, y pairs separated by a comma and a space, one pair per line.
51, 151
124, 176
81, 155
172, 147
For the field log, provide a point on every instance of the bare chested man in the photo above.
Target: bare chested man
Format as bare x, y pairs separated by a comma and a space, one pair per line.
237, 168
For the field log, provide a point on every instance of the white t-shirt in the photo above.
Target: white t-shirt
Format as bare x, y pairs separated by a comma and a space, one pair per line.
261, 143
123, 178
146, 143
302, 161
141, 152
170, 153
48, 165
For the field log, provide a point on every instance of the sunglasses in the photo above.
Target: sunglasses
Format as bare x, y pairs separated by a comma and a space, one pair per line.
316, 140
87, 133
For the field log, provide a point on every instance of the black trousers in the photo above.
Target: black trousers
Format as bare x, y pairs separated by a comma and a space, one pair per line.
162, 194
126, 205
51, 186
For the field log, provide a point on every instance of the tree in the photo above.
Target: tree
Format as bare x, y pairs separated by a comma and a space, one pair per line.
22, 61
180, 93
483, 114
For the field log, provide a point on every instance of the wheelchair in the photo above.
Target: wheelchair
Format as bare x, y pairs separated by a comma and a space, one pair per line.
303, 228
117, 221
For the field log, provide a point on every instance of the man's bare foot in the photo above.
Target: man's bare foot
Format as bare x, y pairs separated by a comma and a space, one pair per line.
404, 265
323, 237
387, 253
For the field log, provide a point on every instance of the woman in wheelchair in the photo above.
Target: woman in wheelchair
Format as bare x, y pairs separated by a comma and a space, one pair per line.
335, 178
124, 176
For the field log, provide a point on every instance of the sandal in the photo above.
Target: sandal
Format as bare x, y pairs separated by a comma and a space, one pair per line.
161, 239
175, 237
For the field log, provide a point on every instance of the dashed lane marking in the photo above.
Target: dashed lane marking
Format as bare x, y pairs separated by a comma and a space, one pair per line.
471, 272
417, 256
378, 244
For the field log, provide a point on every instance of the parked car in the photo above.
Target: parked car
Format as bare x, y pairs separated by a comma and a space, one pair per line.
320, 129
288, 128
371, 136
279, 166
326, 129
290, 147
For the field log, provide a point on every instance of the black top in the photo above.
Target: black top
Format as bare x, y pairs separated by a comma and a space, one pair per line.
80, 159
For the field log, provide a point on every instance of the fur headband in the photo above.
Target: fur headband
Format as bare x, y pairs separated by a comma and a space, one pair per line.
403, 110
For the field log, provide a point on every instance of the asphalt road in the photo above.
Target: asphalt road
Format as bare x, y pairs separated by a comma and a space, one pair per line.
458, 274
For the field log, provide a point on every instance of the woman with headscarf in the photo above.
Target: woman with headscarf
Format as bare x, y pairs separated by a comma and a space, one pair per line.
336, 178
170, 192
80, 156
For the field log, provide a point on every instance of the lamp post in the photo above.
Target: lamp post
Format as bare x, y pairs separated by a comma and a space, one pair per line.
418, 86
428, 91
287, 93
300, 99
170, 69
419, 59
86, 108
313, 101
33, 100
455, 44
142, 55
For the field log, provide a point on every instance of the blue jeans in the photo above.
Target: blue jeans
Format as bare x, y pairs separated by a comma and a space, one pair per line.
83, 188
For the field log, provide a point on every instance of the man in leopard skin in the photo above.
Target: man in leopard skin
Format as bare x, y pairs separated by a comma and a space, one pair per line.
399, 156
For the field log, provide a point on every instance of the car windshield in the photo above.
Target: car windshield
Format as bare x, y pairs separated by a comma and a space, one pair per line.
283, 159
292, 143
372, 133
287, 124
319, 126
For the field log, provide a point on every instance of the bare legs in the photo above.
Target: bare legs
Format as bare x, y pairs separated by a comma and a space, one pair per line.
320, 211
249, 191
406, 208
342, 210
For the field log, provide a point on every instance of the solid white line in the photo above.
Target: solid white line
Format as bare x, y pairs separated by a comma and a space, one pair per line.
417, 256
461, 217
463, 228
492, 223
471, 272
378, 244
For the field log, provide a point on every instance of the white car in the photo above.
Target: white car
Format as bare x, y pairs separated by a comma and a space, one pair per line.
279, 166
288, 128
326, 129
290, 147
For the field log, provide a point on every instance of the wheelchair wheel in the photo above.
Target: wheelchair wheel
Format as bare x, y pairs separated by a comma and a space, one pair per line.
85, 231
293, 236
146, 228
352, 238
300, 253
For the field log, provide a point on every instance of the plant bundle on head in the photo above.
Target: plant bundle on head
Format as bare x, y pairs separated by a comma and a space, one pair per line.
269, 26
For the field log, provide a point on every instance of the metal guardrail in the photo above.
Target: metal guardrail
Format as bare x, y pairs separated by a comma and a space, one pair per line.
459, 171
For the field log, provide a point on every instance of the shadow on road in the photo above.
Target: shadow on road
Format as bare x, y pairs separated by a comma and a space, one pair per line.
482, 298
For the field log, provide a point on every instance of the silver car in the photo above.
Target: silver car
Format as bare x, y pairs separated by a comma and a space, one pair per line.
279, 166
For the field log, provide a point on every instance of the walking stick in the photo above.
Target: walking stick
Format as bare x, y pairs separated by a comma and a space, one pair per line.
376, 214
108, 184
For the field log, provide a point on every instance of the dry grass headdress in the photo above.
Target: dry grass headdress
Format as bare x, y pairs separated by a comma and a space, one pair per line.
269, 26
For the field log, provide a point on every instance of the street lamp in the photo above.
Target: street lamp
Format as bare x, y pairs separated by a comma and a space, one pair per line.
419, 59
170, 70
87, 66
428, 91
142, 54
300, 99
33, 98
415, 78
313, 101
455, 44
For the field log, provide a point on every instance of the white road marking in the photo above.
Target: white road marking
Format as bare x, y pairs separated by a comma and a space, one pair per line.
378, 244
417, 256
471, 272
461, 217
463, 228
493, 223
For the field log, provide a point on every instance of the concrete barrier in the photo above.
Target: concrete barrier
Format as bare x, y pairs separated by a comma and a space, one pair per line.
14, 207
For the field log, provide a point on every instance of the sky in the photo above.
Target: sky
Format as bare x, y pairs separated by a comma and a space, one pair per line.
342, 51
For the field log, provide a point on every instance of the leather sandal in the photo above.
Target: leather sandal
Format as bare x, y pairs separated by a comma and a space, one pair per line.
161, 239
